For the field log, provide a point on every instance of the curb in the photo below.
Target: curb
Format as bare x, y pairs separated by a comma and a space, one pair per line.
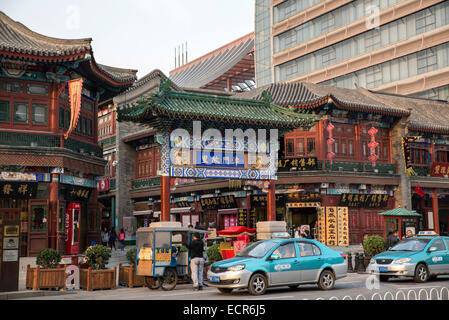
31, 294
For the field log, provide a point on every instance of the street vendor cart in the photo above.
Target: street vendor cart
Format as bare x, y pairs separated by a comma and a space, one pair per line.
241, 237
158, 259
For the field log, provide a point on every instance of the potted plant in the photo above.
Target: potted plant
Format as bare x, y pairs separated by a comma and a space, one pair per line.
46, 275
127, 274
97, 276
213, 253
372, 246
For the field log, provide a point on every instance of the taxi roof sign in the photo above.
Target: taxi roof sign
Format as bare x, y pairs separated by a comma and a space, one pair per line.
427, 233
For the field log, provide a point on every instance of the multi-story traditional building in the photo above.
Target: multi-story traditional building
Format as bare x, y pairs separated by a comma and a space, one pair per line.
41, 172
394, 46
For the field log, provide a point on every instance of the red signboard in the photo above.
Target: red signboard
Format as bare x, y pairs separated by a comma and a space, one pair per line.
439, 169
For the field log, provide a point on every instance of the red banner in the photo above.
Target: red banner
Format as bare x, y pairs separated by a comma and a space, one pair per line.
75, 87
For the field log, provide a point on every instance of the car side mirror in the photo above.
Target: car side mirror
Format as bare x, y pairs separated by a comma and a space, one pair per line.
432, 249
275, 257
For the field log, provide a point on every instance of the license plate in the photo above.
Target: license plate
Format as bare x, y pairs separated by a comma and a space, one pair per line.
383, 269
214, 279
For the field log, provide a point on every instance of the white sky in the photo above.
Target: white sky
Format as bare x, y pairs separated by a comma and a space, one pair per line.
138, 34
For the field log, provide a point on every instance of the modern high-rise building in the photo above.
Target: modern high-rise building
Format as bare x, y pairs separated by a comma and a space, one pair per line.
394, 46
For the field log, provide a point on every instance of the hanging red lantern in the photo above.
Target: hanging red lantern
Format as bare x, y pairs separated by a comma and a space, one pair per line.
373, 145
330, 142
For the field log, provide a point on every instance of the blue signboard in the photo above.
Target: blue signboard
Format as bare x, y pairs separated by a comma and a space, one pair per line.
219, 159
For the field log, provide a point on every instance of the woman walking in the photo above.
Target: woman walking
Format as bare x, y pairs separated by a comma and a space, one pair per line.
104, 236
121, 237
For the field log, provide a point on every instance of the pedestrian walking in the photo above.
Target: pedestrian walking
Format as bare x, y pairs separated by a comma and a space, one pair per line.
121, 237
196, 247
105, 237
392, 239
112, 238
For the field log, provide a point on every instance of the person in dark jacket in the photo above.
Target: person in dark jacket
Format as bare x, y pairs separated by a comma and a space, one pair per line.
392, 239
196, 247
112, 238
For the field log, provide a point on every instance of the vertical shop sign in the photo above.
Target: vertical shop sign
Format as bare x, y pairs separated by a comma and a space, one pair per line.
331, 226
322, 224
343, 226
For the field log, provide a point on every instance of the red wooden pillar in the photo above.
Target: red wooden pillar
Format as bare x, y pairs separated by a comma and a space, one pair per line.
54, 185
271, 202
435, 210
165, 198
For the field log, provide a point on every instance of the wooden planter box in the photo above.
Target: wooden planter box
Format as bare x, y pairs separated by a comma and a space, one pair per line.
38, 278
97, 279
127, 277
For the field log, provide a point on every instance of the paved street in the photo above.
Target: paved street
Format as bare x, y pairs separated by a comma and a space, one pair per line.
352, 287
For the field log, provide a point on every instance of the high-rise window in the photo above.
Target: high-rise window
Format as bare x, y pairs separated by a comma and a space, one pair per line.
425, 20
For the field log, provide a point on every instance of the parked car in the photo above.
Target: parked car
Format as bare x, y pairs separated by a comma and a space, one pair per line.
421, 257
279, 262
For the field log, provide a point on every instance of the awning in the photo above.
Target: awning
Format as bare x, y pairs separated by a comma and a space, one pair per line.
176, 210
228, 211
400, 212
142, 213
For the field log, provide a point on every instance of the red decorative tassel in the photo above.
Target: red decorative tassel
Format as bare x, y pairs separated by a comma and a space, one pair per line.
373, 145
330, 142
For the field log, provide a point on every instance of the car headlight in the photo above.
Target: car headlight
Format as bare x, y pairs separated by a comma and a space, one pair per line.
403, 260
372, 261
237, 267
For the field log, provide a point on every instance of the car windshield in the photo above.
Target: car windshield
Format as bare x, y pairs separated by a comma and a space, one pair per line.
410, 245
257, 250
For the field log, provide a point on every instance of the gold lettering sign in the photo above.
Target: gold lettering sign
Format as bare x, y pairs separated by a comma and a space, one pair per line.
163, 254
331, 226
321, 224
342, 226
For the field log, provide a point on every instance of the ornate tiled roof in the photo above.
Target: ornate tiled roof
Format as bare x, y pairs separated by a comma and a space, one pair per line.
196, 106
305, 95
208, 68
426, 115
19, 42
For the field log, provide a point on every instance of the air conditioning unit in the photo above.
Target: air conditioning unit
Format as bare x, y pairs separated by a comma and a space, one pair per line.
324, 186
362, 187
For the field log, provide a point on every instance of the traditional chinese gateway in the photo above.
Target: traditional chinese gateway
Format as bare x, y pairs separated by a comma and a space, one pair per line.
42, 172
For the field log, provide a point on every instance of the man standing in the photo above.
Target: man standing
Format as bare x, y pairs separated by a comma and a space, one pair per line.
196, 248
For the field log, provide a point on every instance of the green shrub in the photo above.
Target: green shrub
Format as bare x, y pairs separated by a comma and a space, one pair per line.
373, 245
48, 258
213, 253
181, 248
131, 256
97, 256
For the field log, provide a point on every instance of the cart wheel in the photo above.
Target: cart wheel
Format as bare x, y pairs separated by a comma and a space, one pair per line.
169, 280
152, 283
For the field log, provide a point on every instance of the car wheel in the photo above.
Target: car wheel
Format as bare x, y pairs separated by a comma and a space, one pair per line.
421, 273
225, 290
257, 284
384, 278
327, 280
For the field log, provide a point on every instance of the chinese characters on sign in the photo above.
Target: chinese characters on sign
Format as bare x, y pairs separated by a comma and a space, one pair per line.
364, 200
163, 254
21, 190
304, 197
242, 217
260, 201
216, 203
331, 226
77, 193
342, 226
298, 164
406, 152
321, 224
182, 204
439, 169
221, 159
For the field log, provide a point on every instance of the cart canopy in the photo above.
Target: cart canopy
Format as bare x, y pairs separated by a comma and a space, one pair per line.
236, 231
